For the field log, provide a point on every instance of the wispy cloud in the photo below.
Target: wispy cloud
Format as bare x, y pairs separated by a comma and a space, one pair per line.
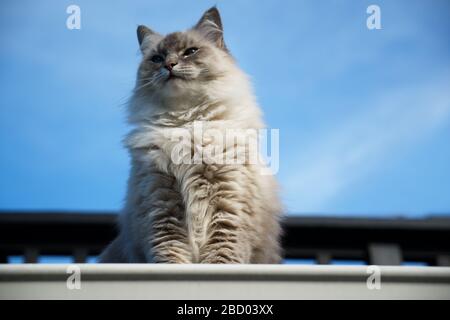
386, 129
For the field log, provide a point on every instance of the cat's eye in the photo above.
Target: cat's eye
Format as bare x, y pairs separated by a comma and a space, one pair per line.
190, 51
157, 58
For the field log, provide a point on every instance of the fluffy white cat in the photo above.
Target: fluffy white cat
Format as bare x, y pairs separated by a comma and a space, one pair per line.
191, 209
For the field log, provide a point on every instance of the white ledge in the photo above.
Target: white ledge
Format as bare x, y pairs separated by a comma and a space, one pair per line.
192, 282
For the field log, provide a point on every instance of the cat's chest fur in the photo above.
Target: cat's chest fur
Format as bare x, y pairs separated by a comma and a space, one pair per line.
195, 155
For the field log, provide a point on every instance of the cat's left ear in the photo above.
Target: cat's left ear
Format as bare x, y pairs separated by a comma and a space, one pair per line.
210, 26
147, 38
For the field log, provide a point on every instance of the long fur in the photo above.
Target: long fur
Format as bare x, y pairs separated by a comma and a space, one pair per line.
194, 212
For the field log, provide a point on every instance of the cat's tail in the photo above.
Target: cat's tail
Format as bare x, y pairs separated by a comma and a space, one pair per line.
113, 253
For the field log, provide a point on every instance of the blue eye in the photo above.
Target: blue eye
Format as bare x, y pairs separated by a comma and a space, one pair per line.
190, 51
157, 58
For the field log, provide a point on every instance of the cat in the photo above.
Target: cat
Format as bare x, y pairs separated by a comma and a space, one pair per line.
194, 211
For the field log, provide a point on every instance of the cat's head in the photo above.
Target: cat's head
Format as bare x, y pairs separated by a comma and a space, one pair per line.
180, 65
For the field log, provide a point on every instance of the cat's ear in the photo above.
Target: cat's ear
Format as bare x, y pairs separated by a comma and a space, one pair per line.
210, 26
147, 38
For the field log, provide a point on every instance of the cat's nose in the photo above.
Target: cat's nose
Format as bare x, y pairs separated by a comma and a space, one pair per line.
169, 65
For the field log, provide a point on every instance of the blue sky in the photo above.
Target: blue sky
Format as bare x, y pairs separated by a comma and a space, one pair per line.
364, 115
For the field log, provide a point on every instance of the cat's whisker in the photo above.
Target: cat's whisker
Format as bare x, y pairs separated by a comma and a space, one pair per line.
145, 79
152, 80
144, 85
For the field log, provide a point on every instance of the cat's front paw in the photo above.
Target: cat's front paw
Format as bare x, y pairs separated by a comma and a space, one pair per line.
220, 260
